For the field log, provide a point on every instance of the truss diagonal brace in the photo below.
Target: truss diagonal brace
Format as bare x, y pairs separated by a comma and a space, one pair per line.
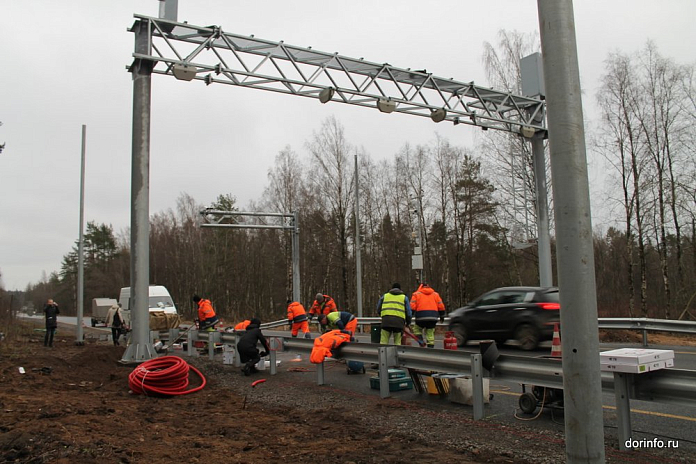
224, 58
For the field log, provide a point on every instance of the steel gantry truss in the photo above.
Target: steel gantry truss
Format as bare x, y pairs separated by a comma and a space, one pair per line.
211, 55
289, 221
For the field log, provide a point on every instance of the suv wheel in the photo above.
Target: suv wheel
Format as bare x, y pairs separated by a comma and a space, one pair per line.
459, 333
527, 336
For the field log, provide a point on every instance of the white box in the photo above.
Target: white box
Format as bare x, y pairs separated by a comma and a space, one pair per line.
461, 390
637, 368
634, 356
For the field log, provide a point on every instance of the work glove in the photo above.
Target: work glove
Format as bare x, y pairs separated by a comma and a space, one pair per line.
289, 321
408, 321
442, 318
263, 354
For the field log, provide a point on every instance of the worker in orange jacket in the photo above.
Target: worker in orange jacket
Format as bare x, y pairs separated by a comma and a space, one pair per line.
326, 344
297, 318
242, 325
323, 304
427, 307
206, 314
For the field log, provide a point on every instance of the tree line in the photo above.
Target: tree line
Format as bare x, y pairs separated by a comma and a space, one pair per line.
471, 210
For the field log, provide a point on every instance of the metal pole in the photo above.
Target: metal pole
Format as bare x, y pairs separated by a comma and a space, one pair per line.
168, 9
320, 373
296, 257
141, 349
582, 389
542, 205
477, 385
623, 408
80, 337
383, 360
358, 259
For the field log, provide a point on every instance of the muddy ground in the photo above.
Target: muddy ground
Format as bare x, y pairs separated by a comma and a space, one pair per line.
72, 405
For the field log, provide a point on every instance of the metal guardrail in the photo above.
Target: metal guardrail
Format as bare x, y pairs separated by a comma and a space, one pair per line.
660, 325
641, 324
675, 386
610, 323
672, 386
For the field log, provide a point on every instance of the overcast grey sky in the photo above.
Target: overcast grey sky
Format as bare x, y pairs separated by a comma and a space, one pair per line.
63, 65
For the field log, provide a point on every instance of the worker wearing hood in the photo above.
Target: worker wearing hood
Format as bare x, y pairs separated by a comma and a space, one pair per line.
427, 308
247, 347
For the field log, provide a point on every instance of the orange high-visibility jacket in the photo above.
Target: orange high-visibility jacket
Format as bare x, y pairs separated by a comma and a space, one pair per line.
427, 305
328, 306
242, 325
324, 344
205, 310
296, 313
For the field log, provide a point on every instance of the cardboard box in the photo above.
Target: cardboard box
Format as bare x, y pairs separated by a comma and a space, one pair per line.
635, 356
637, 368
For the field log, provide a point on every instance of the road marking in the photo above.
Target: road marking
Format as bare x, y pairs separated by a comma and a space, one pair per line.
660, 414
638, 411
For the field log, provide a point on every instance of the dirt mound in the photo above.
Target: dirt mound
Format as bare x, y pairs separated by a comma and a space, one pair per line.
73, 405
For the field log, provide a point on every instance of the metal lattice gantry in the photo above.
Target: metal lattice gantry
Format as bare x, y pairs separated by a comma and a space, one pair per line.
288, 221
211, 55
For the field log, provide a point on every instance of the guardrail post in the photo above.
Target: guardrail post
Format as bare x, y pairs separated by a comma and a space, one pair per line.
645, 337
192, 337
320, 373
386, 358
275, 344
623, 408
173, 335
237, 360
477, 385
272, 357
213, 338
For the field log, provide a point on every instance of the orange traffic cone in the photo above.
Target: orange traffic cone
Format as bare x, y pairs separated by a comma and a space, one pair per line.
556, 344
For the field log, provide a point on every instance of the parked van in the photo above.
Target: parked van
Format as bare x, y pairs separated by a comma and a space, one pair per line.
159, 301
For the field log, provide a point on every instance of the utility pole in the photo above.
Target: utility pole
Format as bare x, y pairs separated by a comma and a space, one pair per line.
358, 259
417, 258
80, 338
533, 85
582, 387
140, 349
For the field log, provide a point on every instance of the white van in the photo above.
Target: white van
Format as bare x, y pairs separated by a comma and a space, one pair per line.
159, 299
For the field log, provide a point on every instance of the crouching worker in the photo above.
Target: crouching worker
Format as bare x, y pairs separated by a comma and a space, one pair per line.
248, 353
297, 318
341, 320
206, 314
242, 325
324, 345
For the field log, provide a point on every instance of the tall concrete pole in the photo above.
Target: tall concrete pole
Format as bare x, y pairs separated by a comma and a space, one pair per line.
358, 259
542, 202
582, 389
296, 256
140, 348
80, 336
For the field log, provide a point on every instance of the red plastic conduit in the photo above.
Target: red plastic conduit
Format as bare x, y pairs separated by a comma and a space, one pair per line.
166, 375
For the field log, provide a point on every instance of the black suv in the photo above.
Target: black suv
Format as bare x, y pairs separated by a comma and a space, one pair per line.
526, 314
